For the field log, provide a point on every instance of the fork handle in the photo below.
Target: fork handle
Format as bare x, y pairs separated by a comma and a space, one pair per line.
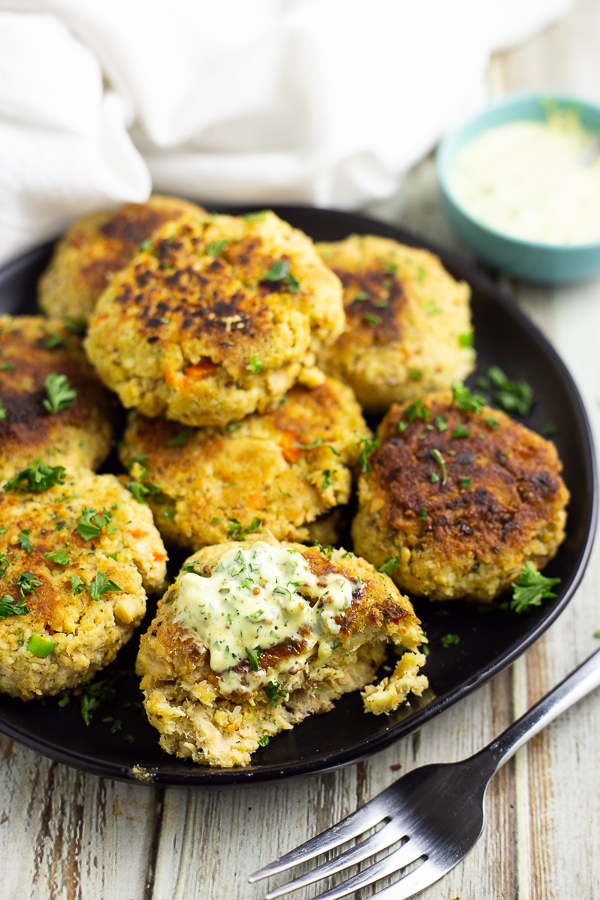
575, 686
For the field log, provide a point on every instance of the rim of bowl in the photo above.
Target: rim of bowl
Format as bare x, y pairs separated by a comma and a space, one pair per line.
447, 152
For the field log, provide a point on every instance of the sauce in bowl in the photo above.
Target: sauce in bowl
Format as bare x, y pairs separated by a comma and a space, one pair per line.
526, 179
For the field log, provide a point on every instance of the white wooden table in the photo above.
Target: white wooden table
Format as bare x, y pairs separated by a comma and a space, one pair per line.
65, 835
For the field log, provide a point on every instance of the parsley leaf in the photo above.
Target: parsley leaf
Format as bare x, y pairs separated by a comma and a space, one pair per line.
416, 410
465, 481
390, 565
27, 583
181, 438
216, 247
11, 607
449, 640
312, 446
372, 319
278, 270
77, 584
368, 445
461, 431
91, 523
60, 557
511, 396
326, 479
465, 400
2, 410
24, 541
60, 393
101, 585
530, 587
76, 326
53, 341
101, 691
37, 477
253, 657
466, 340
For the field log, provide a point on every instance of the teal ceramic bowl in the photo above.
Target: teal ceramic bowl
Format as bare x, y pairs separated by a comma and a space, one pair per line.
529, 260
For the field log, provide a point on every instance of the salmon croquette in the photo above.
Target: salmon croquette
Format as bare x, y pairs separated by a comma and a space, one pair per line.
96, 247
277, 471
52, 405
253, 637
215, 320
77, 556
408, 326
459, 498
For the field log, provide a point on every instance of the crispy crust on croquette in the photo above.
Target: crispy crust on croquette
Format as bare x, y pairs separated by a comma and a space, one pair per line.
78, 436
96, 247
405, 316
194, 328
255, 475
88, 632
466, 538
182, 696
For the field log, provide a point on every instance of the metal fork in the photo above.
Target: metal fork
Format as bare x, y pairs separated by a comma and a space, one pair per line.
436, 811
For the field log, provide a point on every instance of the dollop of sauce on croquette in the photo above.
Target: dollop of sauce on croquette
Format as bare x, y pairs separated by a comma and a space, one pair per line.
259, 598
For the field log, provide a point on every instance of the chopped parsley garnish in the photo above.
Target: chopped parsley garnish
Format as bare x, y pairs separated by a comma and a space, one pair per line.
278, 271
236, 531
255, 364
40, 646
434, 478
416, 410
139, 490
4, 563
76, 326
423, 515
263, 740
53, 341
214, 521
189, 567
216, 247
256, 216
101, 691
441, 423
449, 640
465, 481
273, 692
2, 410
60, 393
368, 445
11, 607
7, 366
60, 557
129, 738
432, 308
596, 634
493, 423
253, 657
312, 446
326, 478
101, 585
233, 426
441, 463
372, 319
363, 295
27, 583
549, 430
415, 374
77, 584
23, 540
466, 340
37, 477
144, 245
530, 588
511, 396
461, 431
390, 565
116, 725
91, 523
465, 400
181, 438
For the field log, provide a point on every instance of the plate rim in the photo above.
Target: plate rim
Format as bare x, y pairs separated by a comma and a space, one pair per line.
205, 777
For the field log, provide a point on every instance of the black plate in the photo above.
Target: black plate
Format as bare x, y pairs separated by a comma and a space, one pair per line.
489, 641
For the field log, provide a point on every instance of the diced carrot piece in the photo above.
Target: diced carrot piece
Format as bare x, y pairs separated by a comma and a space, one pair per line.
202, 369
137, 533
158, 557
287, 441
256, 501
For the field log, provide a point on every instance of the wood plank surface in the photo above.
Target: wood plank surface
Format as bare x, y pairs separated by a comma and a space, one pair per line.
65, 835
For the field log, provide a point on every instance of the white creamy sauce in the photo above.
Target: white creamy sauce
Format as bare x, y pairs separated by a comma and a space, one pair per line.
525, 179
255, 599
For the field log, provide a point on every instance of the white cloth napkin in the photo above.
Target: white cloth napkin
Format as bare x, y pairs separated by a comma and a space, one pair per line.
309, 101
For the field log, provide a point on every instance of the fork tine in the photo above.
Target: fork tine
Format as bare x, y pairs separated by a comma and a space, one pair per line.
388, 835
417, 880
403, 856
358, 822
